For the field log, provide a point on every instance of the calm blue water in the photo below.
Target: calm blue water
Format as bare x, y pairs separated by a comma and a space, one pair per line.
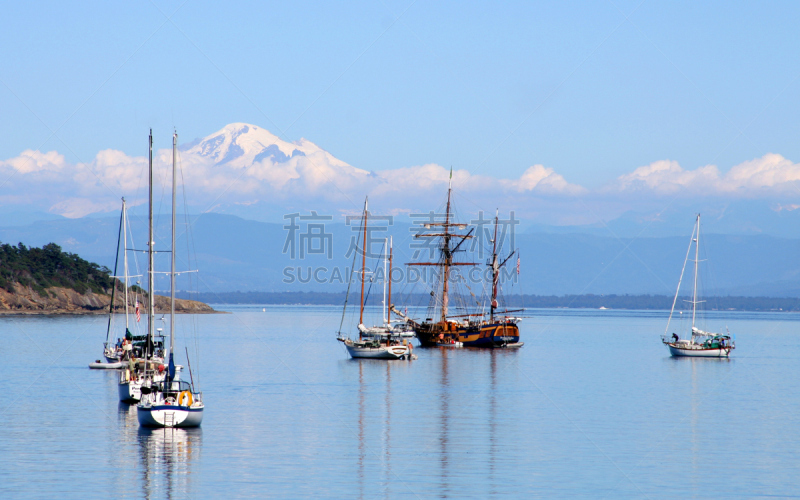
591, 407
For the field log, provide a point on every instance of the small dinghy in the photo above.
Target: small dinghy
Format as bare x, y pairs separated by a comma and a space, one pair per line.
101, 365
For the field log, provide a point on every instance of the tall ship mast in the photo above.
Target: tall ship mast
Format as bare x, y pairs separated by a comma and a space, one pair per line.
478, 327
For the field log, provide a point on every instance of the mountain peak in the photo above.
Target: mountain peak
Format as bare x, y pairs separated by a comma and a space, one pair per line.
241, 144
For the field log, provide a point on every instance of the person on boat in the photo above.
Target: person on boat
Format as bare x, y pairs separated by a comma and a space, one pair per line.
675, 337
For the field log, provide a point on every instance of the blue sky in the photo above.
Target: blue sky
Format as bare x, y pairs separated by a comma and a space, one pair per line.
592, 90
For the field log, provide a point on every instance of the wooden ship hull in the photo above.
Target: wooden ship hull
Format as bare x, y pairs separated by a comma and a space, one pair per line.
497, 334
484, 328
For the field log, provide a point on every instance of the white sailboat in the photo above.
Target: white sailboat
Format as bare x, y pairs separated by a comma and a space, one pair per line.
385, 341
145, 365
119, 352
171, 402
700, 344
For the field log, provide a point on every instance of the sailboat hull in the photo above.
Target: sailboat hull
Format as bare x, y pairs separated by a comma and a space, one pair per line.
111, 358
382, 352
130, 388
501, 334
170, 416
699, 352
130, 392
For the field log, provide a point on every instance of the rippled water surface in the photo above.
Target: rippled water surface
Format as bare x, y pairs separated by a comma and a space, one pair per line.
592, 406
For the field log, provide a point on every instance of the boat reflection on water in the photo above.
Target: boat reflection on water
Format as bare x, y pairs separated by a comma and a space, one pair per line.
445, 426
122, 437
376, 446
493, 438
449, 431
464, 411
362, 451
168, 459
128, 423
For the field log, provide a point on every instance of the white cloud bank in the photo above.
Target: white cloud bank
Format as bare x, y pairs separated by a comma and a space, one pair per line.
770, 175
245, 165
541, 179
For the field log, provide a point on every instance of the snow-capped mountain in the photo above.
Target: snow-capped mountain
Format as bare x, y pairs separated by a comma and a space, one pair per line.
242, 144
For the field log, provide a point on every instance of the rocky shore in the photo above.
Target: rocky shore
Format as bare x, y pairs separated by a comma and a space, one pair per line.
26, 300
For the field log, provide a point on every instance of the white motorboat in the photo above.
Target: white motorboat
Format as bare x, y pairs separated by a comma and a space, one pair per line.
171, 402
385, 341
700, 344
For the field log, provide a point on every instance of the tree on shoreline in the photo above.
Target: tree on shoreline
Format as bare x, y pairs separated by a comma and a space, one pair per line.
49, 266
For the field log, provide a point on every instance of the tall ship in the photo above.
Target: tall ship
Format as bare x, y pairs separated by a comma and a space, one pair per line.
471, 322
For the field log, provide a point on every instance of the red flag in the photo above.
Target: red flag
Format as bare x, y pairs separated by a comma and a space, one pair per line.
138, 316
517, 264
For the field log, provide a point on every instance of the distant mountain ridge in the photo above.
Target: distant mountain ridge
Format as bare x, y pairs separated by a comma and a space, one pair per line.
744, 217
238, 254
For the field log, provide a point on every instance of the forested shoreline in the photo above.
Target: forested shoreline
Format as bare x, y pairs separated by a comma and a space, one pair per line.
50, 267
48, 280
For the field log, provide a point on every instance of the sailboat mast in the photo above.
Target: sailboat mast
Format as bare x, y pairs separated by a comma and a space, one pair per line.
696, 258
172, 252
495, 269
389, 278
385, 262
363, 263
150, 244
448, 258
125, 258
114, 282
